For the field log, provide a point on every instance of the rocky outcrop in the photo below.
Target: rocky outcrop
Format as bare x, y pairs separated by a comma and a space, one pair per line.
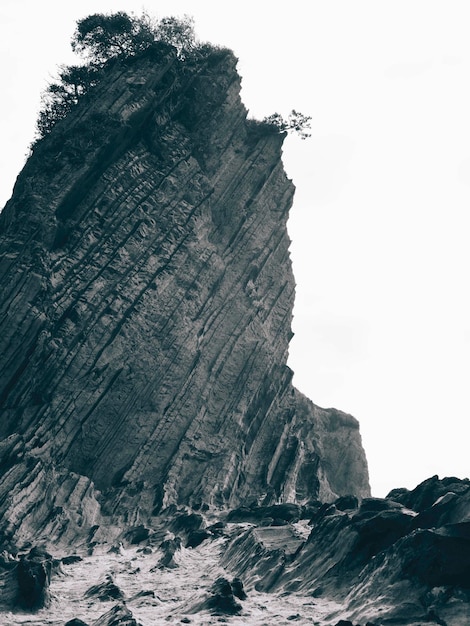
371, 563
403, 559
147, 297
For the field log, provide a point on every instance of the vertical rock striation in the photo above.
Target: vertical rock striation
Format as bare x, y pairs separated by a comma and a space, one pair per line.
147, 297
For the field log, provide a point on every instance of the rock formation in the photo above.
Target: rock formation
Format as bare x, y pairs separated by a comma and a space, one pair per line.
147, 297
145, 397
404, 559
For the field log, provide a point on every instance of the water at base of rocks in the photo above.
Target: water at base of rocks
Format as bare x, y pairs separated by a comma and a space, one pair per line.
170, 594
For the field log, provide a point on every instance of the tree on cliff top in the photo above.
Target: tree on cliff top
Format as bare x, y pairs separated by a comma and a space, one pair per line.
101, 37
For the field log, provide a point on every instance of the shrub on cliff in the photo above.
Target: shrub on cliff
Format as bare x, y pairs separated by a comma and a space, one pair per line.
61, 96
296, 122
100, 38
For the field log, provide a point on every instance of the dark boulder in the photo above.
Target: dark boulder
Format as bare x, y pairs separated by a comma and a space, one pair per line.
436, 559
107, 590
346, 503
223, 599
449, 509
374, 505
69, 560
378, 531
187, 523
325, 510
145, 593
217, 529
196, 537
76, 622
429, 491
137, 534
119, 615
238, 589
34, 576
398, 495
169, 548
310, 508
277, 514
241, 514
287, 512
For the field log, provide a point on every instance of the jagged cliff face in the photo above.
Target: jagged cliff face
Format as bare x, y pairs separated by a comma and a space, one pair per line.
146, 308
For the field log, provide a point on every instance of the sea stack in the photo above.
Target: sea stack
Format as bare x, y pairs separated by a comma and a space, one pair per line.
147, 296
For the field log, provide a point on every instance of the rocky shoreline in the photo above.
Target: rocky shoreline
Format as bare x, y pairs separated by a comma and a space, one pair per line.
347, 562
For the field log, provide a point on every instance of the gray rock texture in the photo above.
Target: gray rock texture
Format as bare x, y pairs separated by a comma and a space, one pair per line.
146, 305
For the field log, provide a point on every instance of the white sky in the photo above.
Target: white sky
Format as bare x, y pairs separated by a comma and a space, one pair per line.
381, 218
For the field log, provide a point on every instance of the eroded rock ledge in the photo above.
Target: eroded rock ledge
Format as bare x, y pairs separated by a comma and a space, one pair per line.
147, 298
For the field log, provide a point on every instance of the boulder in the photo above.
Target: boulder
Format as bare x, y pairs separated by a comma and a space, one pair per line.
137, 534
106, 590
223, 596
346, 503
196, 537
119, 615
169, 548
34, 576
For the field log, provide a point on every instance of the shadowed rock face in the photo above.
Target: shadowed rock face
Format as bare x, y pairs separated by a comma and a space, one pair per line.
404, 559
147, 297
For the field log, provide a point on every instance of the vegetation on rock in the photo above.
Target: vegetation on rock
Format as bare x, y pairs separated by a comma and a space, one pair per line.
101, 39
296, 121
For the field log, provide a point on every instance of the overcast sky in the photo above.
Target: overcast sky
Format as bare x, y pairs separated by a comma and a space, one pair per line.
381, 217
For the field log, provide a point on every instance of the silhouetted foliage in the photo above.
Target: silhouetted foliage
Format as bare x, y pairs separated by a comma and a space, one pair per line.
179, 32
296, 122
59, 98
100, 38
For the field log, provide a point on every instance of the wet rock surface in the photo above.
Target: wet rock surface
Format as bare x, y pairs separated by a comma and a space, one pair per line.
383, 559
223, 597
365, 565
119, 615
106, 590
33, 574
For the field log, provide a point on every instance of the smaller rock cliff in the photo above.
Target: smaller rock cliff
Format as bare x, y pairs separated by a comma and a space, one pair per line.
147, 297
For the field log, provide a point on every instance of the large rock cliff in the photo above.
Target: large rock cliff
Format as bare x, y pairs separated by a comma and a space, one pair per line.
147, 297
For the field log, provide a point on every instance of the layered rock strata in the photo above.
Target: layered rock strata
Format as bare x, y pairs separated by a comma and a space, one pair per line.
147, 297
